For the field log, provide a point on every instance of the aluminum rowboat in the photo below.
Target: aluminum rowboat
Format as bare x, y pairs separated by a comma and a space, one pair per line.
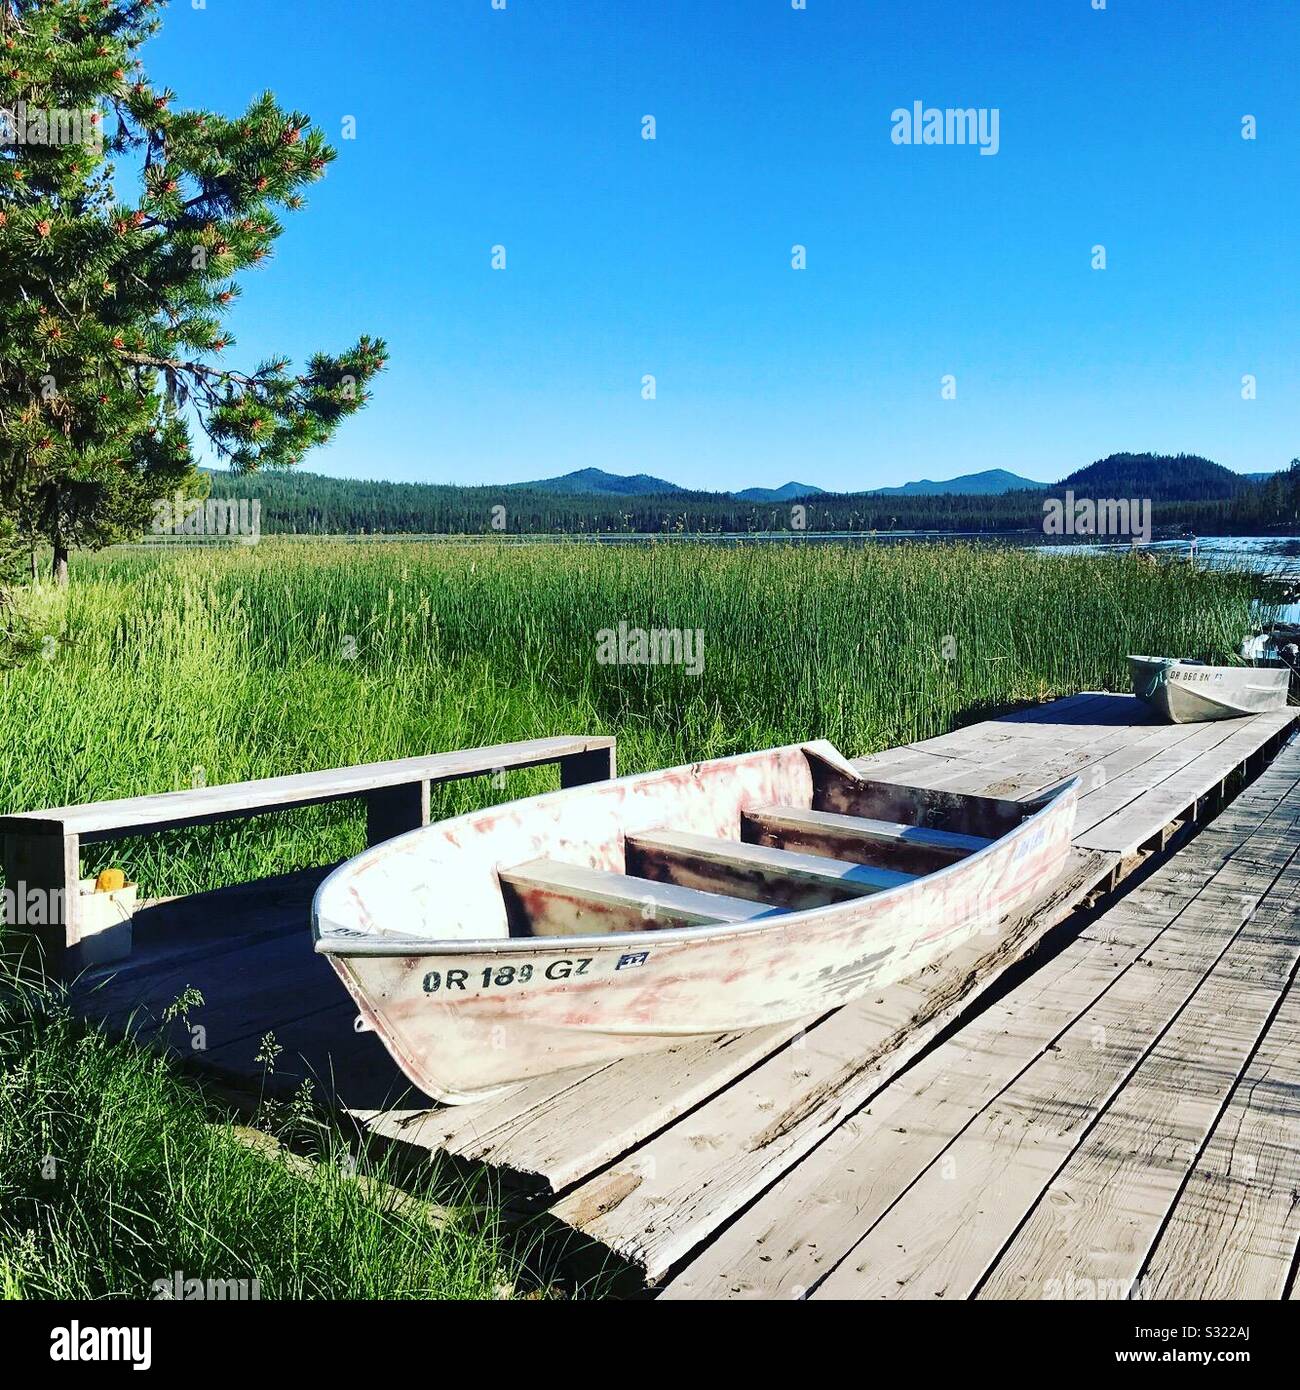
1187, 692
583, 925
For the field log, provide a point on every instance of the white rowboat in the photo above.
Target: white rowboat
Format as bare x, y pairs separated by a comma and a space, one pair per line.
1187, 692
576, 927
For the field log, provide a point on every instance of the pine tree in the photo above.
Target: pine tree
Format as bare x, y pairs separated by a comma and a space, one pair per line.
111, 310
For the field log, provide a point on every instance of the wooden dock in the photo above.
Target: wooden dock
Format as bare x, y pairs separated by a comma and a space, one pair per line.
1126, 1122
924, 1142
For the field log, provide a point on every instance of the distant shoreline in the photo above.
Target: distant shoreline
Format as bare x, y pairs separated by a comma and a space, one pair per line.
1024, 536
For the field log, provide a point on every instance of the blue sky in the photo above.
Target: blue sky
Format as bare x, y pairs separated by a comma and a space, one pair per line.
523, 127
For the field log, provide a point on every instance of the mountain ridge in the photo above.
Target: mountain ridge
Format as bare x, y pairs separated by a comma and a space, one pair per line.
583, 482
1155, 476
1186, 492
787, 492
991, 482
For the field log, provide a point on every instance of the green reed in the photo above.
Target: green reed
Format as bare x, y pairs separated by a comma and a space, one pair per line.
214, 665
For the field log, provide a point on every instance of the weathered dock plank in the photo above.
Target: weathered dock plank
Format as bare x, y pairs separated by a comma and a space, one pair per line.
917, 1194
1183, 780
656, 1204
1113, 1193
556, 1130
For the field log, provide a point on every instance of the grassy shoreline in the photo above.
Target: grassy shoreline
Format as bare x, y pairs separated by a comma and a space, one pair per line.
159, 670
116, 1173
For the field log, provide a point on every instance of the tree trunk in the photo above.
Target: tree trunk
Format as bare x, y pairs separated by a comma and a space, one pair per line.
59, 564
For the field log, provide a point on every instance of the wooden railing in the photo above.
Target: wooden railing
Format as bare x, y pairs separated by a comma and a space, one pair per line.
42, 849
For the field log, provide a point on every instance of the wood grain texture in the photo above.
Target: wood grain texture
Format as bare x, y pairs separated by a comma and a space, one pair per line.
1175, 781
655, 1205
544, 898
101, 820
557, 1130
935, 1231
43, 876
1100, 1214
763, 875
913, 849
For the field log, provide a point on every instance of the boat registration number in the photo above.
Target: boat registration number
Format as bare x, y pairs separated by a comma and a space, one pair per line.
503, 976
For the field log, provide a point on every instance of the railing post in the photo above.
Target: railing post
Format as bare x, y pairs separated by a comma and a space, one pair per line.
42, 902
595, 765
392, 811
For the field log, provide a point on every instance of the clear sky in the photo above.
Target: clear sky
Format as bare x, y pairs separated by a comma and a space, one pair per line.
522, 127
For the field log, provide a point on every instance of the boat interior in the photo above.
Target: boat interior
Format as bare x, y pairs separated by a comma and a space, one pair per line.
845, 837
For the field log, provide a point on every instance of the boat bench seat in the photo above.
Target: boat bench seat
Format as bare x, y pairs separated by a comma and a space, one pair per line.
911, 848
776, 876
545, 898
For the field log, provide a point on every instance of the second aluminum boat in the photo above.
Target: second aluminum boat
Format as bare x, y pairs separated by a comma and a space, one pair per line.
1187, 692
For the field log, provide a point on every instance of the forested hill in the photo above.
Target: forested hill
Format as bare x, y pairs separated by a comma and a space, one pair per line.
1210, 498
1161, 477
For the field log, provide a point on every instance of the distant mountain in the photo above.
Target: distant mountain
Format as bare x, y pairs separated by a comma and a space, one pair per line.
992, 482
1157, 476
586, 481
1258, 477
1165, 477
787, 492
595, 481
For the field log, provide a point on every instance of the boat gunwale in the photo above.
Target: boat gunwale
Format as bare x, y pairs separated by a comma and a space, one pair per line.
372, 946
1167, 664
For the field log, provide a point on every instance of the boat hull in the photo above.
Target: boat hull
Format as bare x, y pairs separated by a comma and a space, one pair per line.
466, 1020
1189, 694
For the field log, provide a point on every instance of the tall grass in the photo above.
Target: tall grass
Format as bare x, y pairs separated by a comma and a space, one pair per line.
112, 1177
161, 670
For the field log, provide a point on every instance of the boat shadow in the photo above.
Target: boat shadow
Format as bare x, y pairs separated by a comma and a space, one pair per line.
228, 985
1092, 707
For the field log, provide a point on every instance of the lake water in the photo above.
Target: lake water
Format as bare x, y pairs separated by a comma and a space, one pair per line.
1263, 554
